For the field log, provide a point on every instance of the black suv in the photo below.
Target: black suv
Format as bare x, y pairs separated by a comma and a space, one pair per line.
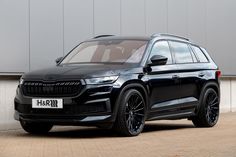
120, 82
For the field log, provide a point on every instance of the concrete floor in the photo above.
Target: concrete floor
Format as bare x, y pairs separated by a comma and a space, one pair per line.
160, 138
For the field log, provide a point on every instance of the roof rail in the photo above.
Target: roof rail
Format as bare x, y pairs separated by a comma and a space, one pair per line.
169, 35
100, 36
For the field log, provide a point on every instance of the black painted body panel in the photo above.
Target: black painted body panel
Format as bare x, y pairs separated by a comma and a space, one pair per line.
171, 91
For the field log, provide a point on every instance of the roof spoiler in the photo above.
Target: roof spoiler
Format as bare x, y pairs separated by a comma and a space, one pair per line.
101, 36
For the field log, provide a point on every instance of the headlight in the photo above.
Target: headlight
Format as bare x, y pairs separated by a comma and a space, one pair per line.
101, 80
21, 81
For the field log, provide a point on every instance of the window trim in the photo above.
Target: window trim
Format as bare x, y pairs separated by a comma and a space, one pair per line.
149, 49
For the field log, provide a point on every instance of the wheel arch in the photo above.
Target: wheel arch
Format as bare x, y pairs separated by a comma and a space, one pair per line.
133, 84
209, 84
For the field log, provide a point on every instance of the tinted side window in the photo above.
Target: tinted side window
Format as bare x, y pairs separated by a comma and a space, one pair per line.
162, 48
193, 55
182, 52
199, 53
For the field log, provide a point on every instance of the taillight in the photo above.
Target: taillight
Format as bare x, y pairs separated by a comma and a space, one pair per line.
218, 73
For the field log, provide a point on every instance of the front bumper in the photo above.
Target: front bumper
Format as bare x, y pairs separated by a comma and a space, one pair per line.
64, 120
92, 106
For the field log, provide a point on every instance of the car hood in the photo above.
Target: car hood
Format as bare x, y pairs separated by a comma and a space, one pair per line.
78, 71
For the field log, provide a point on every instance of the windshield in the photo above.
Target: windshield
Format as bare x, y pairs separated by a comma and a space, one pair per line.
107, 51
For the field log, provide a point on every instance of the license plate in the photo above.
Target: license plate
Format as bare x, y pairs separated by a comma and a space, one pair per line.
47, 103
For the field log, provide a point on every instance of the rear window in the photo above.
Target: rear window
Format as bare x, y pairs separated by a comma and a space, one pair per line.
200, 54
182, 52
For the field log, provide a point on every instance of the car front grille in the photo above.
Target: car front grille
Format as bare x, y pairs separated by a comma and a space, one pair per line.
48, 89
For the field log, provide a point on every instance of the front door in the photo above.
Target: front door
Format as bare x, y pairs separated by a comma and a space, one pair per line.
163, 82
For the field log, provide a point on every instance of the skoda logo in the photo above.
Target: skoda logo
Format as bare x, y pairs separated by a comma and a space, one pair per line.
51, 77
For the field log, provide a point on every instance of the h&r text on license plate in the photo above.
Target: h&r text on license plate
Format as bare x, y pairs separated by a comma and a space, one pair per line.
47, 103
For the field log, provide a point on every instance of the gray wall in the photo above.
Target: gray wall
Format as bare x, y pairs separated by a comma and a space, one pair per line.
35, 32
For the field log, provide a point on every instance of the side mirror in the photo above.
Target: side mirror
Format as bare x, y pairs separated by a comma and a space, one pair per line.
158, 60
58, 60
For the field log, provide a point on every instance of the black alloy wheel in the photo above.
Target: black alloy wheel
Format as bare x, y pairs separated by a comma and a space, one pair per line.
212, 107
209, 111
134, 113
131, 114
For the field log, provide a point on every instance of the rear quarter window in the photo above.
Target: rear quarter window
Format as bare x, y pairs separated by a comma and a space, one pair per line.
201, 56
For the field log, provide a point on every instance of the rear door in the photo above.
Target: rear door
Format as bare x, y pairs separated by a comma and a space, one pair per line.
189, 74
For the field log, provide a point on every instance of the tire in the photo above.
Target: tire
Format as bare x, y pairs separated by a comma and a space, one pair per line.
36, 128
131, 114
208, 114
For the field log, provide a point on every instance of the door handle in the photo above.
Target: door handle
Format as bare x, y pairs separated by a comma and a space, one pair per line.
201, 74
175, 76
